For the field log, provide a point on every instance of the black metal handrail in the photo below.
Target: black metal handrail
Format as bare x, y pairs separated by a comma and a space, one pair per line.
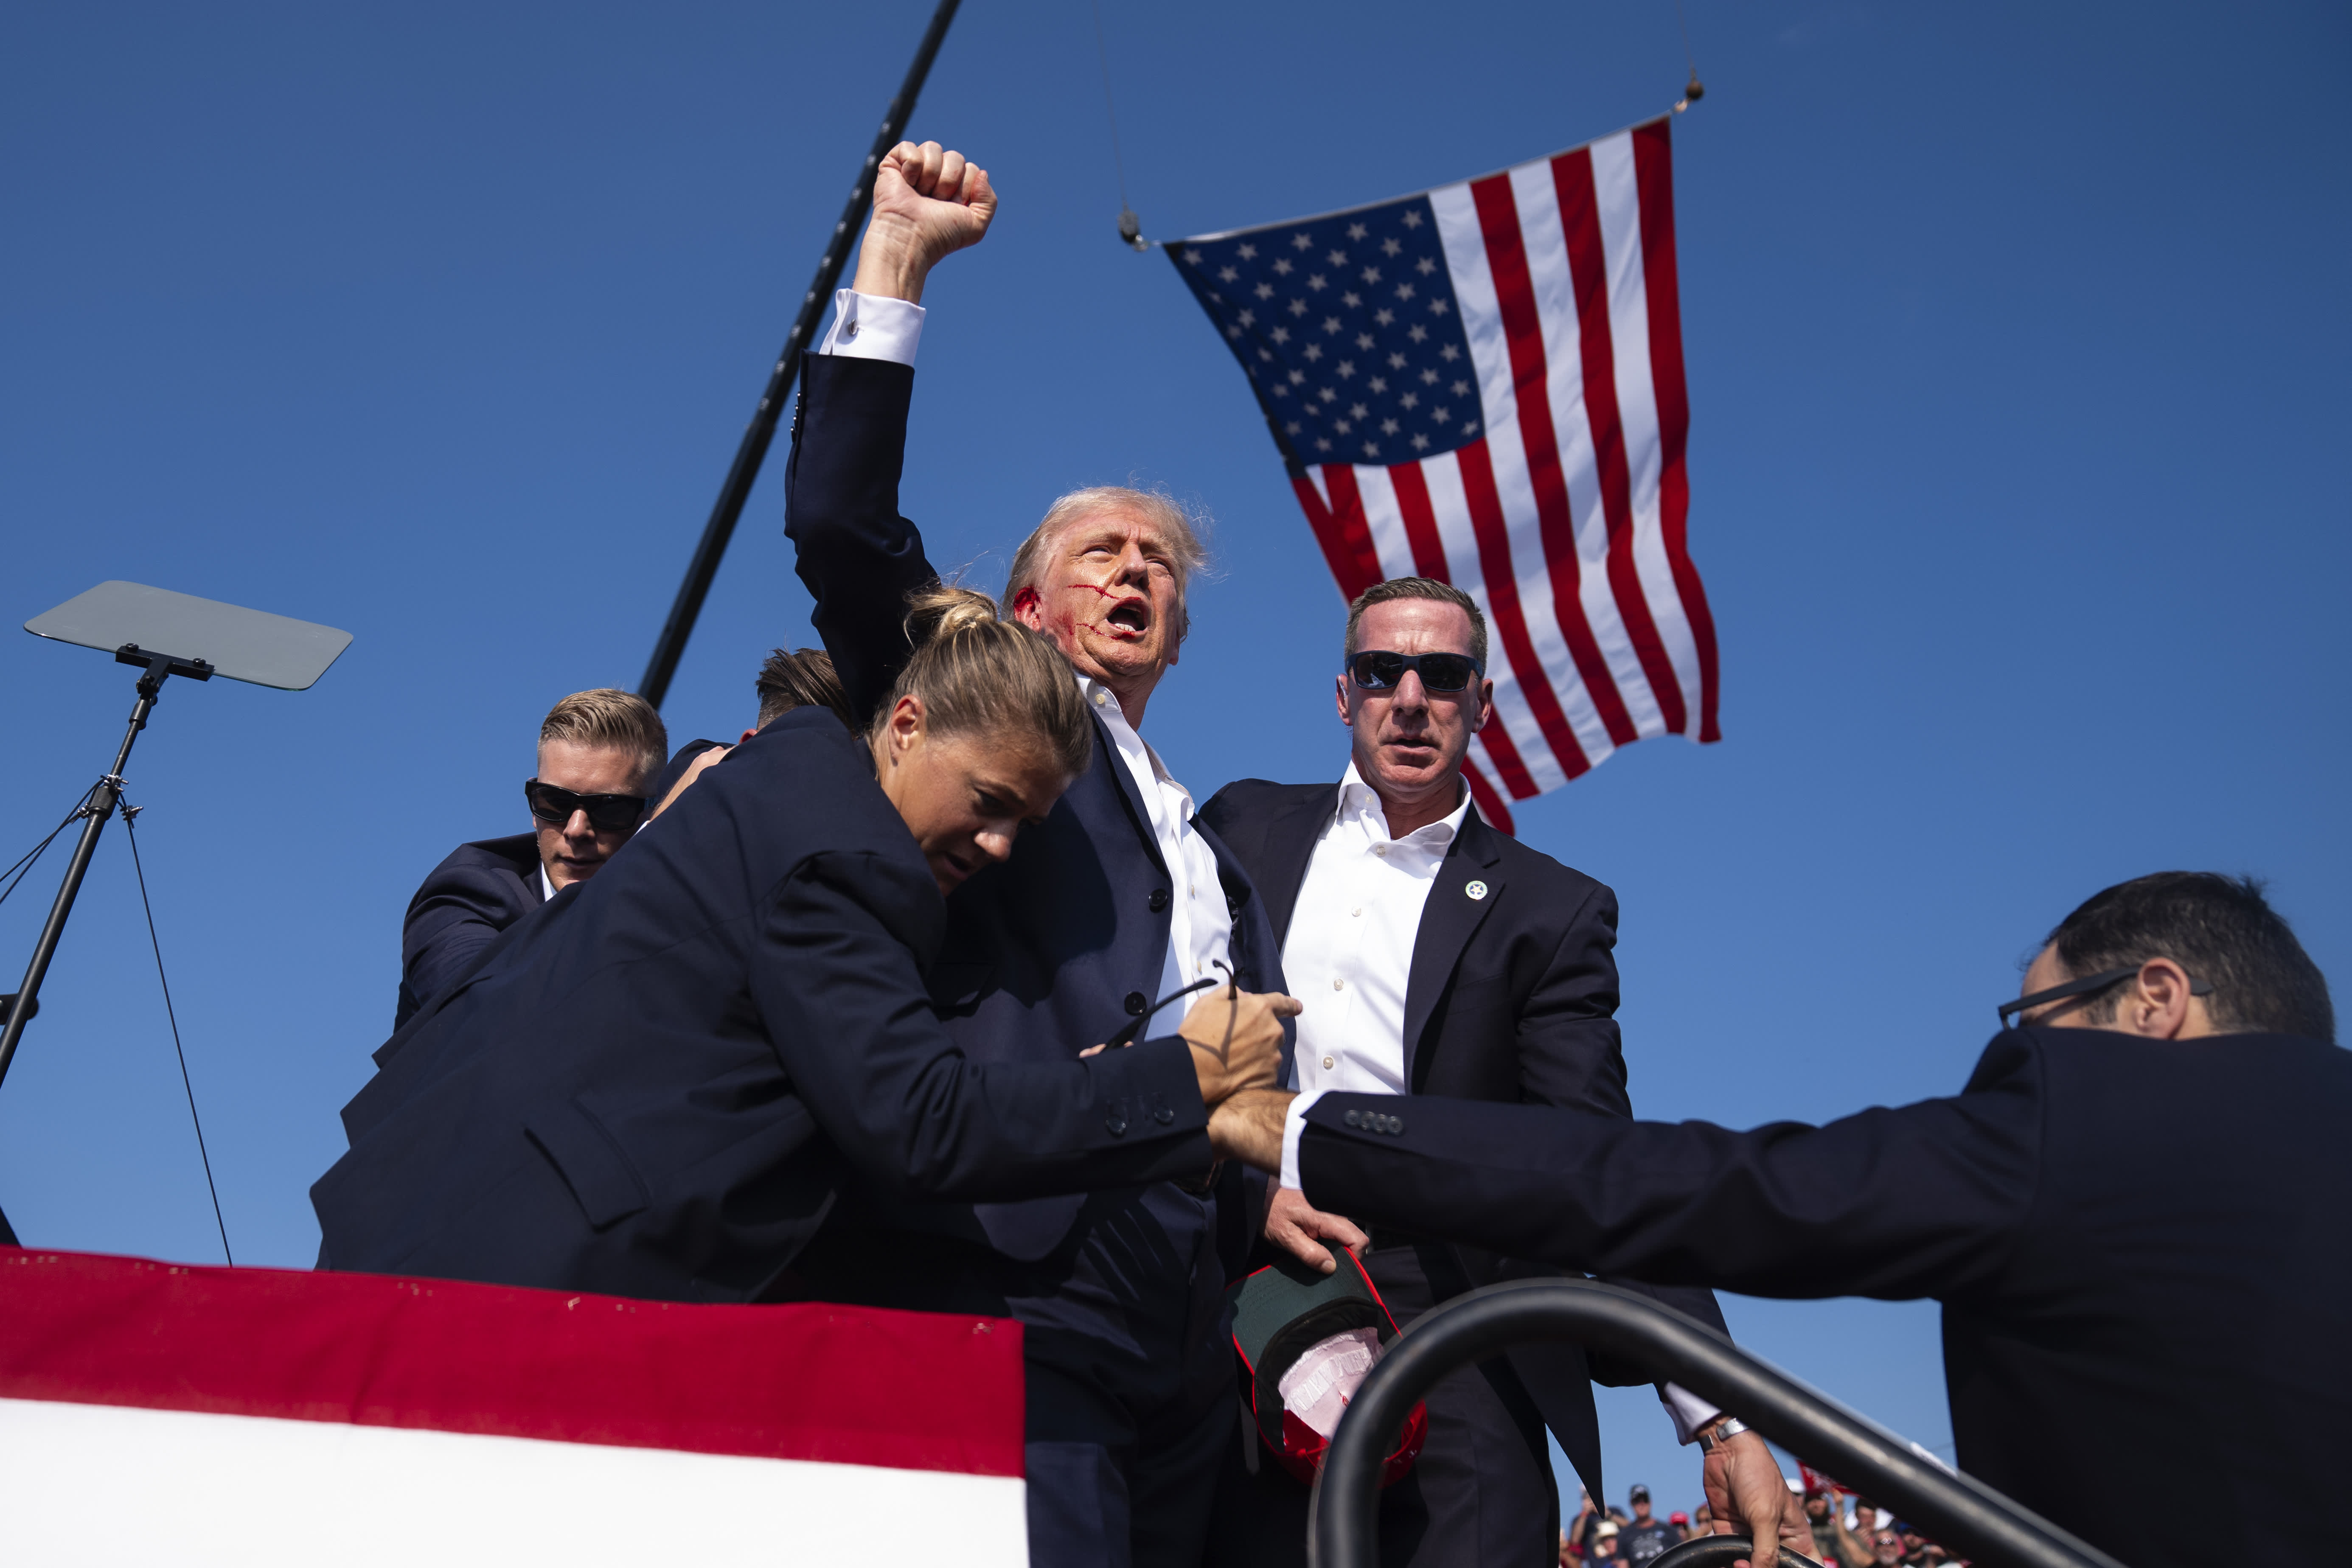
1966, 1516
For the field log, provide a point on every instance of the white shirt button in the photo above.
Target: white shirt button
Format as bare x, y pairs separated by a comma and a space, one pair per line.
1379, 849
1356, 912
1101, 698
1329, 1064
1338, 983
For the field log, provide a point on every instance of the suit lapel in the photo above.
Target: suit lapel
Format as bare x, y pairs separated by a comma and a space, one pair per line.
1448, 920
1289, 847
1106, 756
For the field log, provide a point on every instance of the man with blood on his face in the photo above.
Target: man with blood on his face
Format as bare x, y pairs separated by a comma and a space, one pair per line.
1116, 902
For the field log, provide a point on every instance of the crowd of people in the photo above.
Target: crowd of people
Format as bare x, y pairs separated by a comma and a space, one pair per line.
1848, 1532
827, 1013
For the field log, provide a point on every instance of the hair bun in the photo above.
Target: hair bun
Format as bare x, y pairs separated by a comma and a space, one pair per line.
942, 610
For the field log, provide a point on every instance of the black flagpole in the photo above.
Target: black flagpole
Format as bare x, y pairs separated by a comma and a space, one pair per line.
763, 429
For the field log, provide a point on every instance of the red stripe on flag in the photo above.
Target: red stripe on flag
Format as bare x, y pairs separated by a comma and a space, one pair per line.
1506, 263
843, 1384
1579, 219
1490, 805
1412, 488
1488, 527
1420, 520
1355, 566
1653, 177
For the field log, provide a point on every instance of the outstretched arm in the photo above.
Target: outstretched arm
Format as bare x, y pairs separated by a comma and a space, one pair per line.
1920, 1201
836, 982
857, 555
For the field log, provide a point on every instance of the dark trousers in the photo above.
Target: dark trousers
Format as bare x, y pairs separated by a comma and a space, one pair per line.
1127, 1354
1480, 1496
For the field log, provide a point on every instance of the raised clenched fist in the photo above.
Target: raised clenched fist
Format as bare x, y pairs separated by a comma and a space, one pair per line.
929, 203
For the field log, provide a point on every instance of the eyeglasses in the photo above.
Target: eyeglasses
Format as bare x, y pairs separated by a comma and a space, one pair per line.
2089, 985
1377, 669
553, 805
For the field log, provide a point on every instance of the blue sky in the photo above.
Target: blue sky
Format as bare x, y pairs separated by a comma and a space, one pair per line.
2015, 341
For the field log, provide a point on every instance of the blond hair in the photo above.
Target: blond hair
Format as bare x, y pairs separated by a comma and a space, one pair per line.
979, 673
606, 717
1179, 531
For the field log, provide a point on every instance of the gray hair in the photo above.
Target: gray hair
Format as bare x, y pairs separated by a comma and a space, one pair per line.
1178, 529
1397, 588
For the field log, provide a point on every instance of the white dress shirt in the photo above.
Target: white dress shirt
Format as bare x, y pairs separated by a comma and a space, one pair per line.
1349, 959
1348, 956
1351, 970
1200, 926
869, 326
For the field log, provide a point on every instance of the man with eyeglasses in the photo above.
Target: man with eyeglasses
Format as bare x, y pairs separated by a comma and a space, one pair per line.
596, 751
1435, 955
2134, 1216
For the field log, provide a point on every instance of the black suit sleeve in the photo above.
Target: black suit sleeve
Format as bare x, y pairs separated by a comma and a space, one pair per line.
458, 911
836, 982
1921, 1200
1570, 1055
858, 557
1568, 1050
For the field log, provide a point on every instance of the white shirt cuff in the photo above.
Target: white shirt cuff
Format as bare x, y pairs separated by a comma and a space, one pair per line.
870, 326
1689, 1411
1294, 1123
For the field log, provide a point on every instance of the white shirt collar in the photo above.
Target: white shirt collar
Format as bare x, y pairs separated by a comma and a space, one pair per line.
1104, 702
1358, 801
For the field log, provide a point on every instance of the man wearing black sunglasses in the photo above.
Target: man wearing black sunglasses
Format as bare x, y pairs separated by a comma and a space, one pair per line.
1435, 955
2133, 1214
596, 751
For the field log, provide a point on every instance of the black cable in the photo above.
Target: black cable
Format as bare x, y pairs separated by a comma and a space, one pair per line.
1102, 52
23, 866
1130, 227
130, 830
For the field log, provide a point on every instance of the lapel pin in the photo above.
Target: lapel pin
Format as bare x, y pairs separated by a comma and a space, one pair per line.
1477, 889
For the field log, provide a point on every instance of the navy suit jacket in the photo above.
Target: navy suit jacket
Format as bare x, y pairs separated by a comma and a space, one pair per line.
2139, 1245
479, 891
1512, 997
656, 1086
1054, 949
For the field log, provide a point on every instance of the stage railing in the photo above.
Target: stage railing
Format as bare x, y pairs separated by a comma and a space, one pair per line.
1969, 1519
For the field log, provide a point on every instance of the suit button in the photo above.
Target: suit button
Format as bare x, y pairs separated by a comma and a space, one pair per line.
1136, 1003
1353, 1119
1158, 900
1116, 1124
1396, 1124
1163, 1116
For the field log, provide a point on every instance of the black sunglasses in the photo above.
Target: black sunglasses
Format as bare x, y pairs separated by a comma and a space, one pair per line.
1377, 669
554, 805
2089, 985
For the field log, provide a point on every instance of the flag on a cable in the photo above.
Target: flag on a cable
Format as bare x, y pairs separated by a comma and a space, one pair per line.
1483, 384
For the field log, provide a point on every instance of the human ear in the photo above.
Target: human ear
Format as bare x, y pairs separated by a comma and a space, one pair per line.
2157, 1005
906, 725
1339, 691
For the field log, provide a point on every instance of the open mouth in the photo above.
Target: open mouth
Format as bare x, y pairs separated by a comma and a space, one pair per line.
1132, 617
953, 868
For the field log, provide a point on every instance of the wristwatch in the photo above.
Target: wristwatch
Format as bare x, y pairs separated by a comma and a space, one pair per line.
1712, 1438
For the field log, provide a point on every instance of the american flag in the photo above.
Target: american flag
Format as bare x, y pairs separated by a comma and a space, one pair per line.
1483, 384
